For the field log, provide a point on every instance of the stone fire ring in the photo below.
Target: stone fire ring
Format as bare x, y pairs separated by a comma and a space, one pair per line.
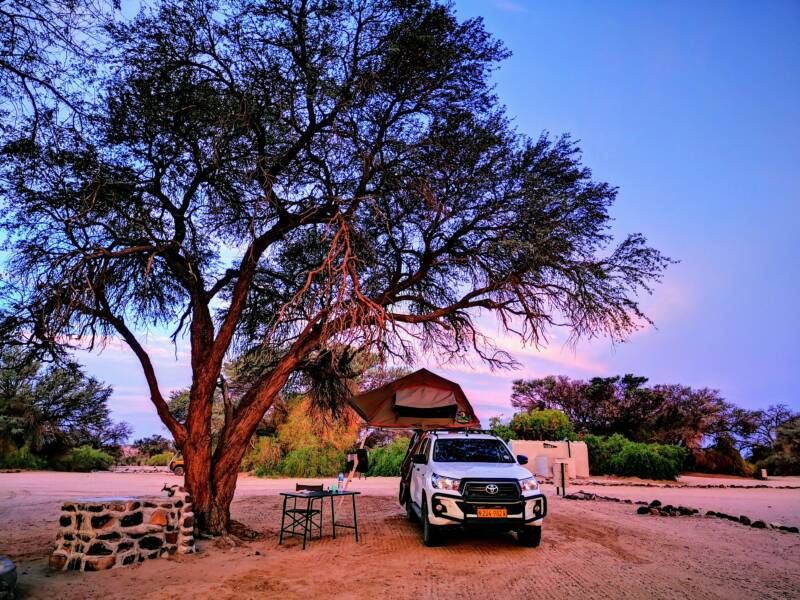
102, 533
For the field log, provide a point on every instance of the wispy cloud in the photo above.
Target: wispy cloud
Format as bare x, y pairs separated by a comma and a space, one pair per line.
510, 6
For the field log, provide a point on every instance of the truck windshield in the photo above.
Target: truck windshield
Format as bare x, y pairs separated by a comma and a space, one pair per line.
471, 450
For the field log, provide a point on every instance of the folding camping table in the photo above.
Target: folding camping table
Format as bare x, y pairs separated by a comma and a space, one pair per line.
302, 518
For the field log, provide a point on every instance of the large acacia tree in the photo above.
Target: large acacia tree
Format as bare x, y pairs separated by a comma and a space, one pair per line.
298, 180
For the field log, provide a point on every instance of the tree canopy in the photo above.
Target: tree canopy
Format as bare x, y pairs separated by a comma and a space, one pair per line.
50, 410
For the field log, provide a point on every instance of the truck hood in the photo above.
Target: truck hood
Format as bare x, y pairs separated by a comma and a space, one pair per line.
473, 470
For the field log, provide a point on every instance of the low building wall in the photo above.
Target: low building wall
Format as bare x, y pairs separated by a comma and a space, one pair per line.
102, 533
576, 451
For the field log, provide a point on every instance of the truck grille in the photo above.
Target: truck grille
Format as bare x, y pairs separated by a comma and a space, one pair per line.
476, 490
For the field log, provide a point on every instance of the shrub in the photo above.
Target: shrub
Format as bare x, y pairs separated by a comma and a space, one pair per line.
547, 424
780, 463
723, 458
21, 459
616, 455
642, 460
504, 432
311, 462
263, 458
160, 460
386, 461
84, 459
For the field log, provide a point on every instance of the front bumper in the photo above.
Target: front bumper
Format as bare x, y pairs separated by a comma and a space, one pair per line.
452, 509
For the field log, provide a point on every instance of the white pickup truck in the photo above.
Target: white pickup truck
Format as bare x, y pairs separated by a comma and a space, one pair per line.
470, 479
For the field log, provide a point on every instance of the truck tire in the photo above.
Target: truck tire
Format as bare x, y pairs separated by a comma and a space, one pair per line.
530, 536
178, 471
430, 533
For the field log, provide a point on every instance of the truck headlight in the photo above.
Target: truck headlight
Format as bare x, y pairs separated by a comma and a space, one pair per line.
528, 485
445, 483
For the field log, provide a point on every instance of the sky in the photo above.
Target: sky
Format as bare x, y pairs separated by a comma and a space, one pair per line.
693, 111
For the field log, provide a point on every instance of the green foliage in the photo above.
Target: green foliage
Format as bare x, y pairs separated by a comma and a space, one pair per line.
160, 460
152, 445
616, 455
546, 424
785, 456
263, 458
386, 461
780, 463
84, 459
22, 458
312, 462
52, 409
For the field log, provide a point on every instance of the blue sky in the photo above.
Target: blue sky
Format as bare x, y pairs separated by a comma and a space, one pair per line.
693, 110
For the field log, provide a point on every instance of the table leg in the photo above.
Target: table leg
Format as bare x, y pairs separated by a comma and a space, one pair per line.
307, 518
355, 516
333, 519
283, 517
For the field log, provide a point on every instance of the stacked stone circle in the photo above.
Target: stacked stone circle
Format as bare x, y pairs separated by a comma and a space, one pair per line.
103, 533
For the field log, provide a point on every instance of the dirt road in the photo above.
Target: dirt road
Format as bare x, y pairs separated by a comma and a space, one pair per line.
590, 549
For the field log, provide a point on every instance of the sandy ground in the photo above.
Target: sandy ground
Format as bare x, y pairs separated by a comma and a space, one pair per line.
589, 549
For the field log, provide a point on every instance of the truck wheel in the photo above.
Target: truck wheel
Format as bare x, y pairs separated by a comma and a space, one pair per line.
530, 536
178, 471
430, 533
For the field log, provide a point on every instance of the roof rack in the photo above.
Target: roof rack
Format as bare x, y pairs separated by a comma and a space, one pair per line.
467, 430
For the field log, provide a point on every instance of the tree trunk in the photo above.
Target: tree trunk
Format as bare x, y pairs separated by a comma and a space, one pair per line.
211, 479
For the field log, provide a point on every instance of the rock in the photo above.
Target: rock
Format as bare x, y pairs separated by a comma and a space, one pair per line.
131, 520
758, 525
744, 520
628, 501
685, 511
711, 513
99, 563
159, 517
775, 525
99, 549
150, 542
102, 521
655, 503
789, 529
57, 562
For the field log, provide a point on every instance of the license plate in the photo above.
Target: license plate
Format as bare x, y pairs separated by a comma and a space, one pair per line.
492, 513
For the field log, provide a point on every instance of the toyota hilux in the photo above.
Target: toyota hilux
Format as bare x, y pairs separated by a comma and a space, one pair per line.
470, 479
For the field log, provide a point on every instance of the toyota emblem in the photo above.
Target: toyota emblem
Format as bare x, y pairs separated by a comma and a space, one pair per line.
492, 489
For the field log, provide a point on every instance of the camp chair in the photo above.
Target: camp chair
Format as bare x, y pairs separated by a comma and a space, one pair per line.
304, 516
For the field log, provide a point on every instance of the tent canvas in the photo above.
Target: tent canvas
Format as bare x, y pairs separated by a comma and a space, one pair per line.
421, 400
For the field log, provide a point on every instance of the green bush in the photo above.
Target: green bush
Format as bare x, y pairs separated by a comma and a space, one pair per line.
386, 461
780, 463
544, 424
263, 458
616, 455
160, 460
84, 459
311, 462
21, 459
504, 432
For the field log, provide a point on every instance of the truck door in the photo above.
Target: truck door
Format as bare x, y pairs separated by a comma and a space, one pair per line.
418, 473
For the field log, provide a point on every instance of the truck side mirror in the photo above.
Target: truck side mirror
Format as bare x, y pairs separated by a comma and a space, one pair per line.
418, 459
522, 459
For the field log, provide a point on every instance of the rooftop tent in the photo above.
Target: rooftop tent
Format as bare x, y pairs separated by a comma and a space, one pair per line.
421, 400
